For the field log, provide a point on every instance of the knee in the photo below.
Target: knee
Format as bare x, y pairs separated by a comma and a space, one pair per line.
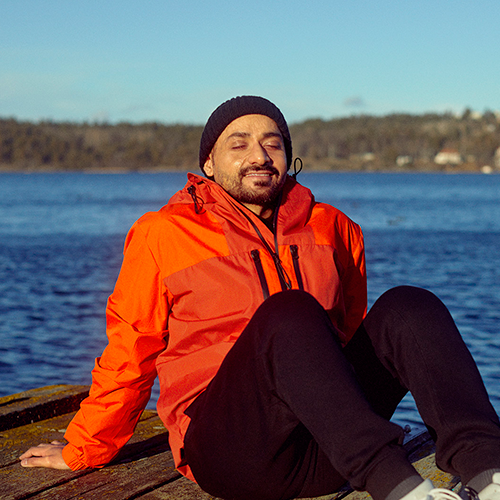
415, 307
409, 299
290, 300
290, 307
292, 317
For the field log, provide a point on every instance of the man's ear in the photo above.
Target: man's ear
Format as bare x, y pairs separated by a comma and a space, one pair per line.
208, 167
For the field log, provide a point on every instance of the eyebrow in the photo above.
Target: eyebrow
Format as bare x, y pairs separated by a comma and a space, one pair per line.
246, 134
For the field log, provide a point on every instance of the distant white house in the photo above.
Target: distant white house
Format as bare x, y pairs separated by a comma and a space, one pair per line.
367, 156
448, 156
403, 160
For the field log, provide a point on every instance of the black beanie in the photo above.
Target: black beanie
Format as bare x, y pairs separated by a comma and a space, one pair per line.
234, 108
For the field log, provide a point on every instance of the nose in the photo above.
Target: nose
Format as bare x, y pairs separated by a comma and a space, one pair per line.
258, 154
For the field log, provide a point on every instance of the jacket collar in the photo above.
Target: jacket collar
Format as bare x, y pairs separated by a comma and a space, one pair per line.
293, 212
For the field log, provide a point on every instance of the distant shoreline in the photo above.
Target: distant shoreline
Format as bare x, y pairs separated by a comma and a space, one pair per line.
159, 170
392, 143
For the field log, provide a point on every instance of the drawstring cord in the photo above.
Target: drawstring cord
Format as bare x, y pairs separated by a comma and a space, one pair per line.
295, 171
198, 202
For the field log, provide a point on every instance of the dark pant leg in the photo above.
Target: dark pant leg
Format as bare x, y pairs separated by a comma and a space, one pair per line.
285, 416
415, 339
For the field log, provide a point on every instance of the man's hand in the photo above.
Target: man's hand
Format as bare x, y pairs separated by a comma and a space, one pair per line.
45, 455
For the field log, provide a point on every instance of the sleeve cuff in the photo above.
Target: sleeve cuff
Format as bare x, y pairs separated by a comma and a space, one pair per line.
71, 458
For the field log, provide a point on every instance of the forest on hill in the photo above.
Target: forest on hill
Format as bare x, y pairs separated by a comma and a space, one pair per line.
427, 142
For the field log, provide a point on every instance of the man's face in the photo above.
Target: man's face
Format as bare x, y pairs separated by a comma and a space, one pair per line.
249, 161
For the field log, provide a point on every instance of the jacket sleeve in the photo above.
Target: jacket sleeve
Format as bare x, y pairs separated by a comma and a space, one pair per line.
136, 317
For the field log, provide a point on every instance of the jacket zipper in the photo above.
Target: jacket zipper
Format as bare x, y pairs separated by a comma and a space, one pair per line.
260, 272
294, 250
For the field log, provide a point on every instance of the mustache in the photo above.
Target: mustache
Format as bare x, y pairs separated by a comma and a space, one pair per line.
270, 169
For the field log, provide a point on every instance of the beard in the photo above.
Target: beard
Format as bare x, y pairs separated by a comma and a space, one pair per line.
263, 193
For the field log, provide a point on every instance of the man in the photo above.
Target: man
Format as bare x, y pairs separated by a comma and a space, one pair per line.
248, 298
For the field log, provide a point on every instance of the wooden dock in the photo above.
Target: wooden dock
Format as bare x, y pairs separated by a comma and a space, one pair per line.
144, 469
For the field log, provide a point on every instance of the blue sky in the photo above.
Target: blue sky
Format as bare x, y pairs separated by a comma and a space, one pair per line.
174, 62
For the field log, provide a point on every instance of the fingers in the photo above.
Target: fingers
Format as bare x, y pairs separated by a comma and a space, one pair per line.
45, 455
41, 450
35, 462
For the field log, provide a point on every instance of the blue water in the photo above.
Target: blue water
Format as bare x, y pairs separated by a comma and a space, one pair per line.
61, 238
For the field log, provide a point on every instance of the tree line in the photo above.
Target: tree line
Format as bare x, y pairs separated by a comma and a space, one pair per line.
361, 142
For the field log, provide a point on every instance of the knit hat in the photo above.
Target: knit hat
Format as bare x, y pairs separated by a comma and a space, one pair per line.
234, 108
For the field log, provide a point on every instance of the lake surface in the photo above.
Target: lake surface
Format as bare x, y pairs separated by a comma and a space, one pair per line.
61, 240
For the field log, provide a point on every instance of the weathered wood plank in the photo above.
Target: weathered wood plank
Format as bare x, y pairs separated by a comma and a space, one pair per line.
119, 481
16, 441
145, 465
39, 404
140, 466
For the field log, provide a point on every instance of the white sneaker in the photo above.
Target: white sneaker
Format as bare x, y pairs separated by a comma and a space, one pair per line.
491, 492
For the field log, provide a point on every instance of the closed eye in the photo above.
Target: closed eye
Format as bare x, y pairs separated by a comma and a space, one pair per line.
239, 145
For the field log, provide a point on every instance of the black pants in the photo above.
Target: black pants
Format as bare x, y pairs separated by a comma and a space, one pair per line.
292, 414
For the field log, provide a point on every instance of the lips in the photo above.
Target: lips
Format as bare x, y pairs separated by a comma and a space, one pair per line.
261, 172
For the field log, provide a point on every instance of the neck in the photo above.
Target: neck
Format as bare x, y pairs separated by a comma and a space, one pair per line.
264, 212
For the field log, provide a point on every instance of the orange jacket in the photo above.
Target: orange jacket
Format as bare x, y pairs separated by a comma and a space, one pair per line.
193, 275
